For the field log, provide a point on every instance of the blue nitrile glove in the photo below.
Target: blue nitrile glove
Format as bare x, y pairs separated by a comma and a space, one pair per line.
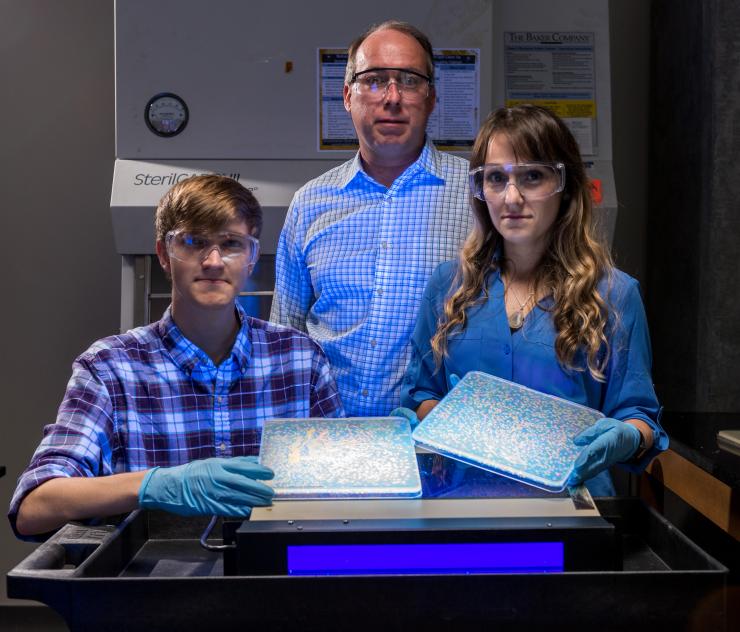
607, 442
215, 486
407, 413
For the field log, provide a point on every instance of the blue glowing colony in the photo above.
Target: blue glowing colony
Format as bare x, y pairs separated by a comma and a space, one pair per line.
362, 457
508, 429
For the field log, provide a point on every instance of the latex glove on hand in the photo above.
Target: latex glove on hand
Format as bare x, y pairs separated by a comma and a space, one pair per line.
407, 413
607, 442
215, 486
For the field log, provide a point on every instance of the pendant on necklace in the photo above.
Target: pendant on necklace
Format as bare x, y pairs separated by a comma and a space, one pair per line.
516, 320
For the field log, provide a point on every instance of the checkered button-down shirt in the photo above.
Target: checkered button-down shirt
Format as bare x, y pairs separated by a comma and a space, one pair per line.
352, 263
151, 397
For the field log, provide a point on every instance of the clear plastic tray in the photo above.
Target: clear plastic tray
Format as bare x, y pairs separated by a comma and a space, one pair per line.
508, 429
360, 457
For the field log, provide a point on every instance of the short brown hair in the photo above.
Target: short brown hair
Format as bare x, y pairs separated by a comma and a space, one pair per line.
207, 202
392, 25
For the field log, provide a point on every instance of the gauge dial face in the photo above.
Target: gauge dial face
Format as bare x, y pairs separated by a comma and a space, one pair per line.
166, 114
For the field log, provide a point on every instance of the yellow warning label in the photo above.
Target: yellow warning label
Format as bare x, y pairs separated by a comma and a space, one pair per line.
564, 108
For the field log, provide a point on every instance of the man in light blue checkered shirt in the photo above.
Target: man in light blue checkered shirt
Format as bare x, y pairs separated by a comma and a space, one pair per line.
360, 241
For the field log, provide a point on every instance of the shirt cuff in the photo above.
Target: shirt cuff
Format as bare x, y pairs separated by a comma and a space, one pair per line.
639, 462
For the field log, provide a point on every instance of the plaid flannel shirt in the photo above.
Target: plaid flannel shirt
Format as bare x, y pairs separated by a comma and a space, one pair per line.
151, 397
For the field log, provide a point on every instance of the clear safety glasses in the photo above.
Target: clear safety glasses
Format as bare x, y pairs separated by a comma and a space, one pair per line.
189, 246
533, 180
373, 83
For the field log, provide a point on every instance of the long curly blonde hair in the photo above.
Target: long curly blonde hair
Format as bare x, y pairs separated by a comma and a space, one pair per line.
574, 261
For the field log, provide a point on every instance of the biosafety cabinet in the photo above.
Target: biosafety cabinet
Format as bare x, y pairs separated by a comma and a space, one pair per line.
253, 90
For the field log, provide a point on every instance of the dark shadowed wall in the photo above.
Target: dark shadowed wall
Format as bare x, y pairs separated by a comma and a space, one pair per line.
694, 215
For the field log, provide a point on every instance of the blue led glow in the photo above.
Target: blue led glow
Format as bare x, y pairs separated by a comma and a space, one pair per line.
408, 559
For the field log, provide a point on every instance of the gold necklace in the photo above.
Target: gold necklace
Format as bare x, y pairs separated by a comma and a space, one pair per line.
516, 319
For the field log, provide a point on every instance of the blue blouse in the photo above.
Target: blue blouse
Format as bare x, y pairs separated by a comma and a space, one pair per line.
527, 356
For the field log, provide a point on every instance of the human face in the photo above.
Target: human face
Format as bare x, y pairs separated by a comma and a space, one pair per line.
522, 223
390, 128
212, 283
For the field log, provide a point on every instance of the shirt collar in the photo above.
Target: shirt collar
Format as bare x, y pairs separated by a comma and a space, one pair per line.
187, 355
429, 162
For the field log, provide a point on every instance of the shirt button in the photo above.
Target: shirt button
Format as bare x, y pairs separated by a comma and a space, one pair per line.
373, 343
380, 291
223, 447
364, 392
220, 399
507, 349
384, 244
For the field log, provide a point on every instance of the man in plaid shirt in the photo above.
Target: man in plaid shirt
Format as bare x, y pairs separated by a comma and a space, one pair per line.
168, 415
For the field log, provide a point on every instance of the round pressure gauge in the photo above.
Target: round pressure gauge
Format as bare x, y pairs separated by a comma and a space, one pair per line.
166, 114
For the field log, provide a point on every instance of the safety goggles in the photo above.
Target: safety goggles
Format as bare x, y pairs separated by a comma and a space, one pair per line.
533, 180
190, 246
375, 82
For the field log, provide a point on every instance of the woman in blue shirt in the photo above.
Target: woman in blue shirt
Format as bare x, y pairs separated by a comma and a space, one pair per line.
534, 297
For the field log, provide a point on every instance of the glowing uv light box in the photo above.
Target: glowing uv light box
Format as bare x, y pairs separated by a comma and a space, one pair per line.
508, 429
360, 457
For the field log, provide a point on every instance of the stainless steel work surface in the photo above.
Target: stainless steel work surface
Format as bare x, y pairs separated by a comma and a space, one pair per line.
421, 508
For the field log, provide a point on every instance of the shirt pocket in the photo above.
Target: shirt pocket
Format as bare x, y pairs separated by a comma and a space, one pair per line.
464, 351
145, 440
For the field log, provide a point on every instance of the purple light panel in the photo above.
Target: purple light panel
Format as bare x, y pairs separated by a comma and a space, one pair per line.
410, 559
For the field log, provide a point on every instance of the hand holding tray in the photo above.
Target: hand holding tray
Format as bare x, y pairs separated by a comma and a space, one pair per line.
508, 429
